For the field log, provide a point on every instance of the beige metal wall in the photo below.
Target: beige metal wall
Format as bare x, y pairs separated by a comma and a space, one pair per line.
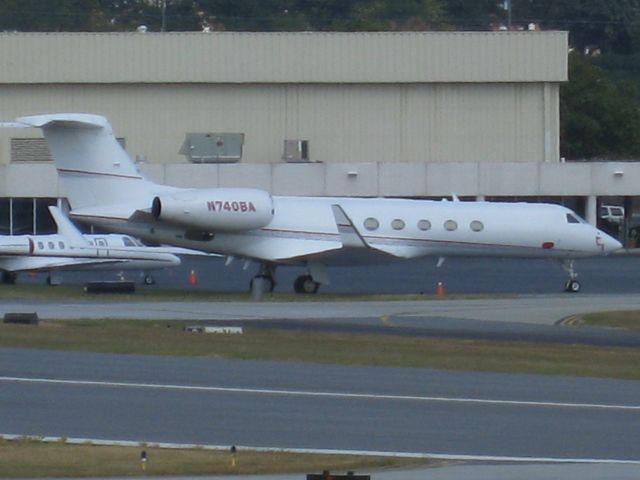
393, 123
307, 57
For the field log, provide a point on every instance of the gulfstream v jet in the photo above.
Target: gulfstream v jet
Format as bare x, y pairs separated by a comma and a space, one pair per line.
106, 189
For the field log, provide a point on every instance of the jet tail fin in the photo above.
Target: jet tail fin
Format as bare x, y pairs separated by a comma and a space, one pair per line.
93, 167
68, 229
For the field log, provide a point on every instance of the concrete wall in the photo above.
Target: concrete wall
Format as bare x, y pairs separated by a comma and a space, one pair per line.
368, 179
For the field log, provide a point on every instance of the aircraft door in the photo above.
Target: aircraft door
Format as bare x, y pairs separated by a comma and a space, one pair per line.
102, 247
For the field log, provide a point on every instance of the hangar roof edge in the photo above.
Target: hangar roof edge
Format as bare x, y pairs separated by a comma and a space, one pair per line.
283, 57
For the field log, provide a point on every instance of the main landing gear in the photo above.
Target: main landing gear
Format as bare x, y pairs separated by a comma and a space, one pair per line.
264, 282
306, 284
572, 284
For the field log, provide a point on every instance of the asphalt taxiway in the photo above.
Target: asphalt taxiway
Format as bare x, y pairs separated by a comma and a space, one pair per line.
465, 415
524, 318
290, 405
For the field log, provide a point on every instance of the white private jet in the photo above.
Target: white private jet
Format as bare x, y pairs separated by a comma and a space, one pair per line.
106, 189
71, 250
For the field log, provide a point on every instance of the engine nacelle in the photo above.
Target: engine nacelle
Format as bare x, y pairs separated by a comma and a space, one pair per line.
216, 209
16, 245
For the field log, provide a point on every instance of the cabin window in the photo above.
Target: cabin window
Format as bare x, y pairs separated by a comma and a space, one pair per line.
476, 226
51, 245
40, 245
572, 218
371, 223
450, 225
424, 225
61, 245
397, 224
128, 242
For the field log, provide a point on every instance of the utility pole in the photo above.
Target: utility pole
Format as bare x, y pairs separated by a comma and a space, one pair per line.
506, 6
163, 10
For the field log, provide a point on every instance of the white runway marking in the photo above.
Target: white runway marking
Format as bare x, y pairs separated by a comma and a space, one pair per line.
306, 393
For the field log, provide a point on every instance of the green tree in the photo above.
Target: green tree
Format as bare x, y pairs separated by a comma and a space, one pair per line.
610, 25
599, 117
472, 14
51, 15
251, 15
397, 15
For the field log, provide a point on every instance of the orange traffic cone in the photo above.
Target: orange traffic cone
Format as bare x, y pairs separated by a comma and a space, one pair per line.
193, 278
440, 289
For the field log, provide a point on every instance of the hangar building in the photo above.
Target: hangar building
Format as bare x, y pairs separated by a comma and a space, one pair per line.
417, 114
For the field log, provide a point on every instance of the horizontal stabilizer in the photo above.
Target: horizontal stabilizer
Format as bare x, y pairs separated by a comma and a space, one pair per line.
60, 120
142, 216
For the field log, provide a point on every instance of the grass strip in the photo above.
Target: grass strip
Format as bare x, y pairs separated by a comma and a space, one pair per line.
150, 293
168, 338
28, 458
625, 319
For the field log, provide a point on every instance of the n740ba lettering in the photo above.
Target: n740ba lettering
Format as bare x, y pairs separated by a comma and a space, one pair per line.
230, 206
105, 189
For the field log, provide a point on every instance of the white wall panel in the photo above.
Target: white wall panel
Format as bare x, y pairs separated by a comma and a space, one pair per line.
191, 176
402, 179
452, 178
359, 178
31, 180
245, 175
293, 178
608, 178
564, 178
372, 179
510, 179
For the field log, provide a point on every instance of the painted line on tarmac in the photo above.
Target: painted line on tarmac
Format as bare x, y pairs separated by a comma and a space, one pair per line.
318, 451
309, 393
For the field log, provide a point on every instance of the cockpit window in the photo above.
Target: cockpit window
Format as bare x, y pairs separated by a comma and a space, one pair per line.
571, 218
128, 242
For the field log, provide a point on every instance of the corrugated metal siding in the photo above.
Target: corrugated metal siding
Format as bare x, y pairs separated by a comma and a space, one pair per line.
408, 57
343, 123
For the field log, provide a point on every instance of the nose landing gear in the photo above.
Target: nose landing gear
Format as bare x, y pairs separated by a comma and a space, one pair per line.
572, 285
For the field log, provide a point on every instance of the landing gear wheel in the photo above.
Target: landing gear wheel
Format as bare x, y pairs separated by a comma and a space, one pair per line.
306, 284
149, 280
268, 284
572, 286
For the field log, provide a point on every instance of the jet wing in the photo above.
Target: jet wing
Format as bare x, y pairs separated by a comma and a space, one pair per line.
24, 264
352, 237
290, 250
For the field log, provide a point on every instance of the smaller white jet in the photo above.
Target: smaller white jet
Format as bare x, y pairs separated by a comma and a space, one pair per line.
71, 250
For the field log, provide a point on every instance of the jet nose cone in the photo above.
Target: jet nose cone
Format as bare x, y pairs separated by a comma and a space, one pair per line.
607, 243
